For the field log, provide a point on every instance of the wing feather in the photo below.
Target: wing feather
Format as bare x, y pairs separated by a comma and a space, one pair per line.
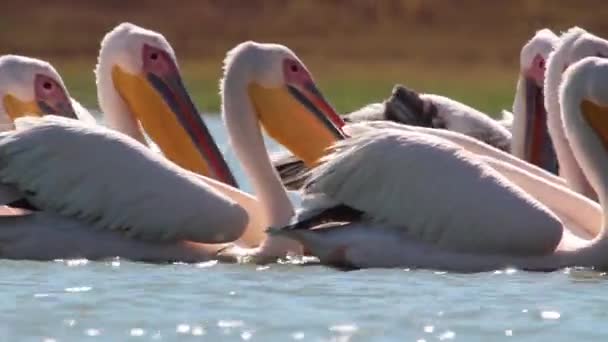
113, 182
437, 191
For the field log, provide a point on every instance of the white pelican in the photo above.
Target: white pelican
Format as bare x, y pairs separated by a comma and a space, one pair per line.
268, 84
30, 86
406, 106
574, 45
390, 228
102, 194
531, 141
130, 37
139, 86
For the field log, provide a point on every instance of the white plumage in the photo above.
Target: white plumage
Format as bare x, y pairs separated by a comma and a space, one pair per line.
122, 47
408, 107
17, 78
49, 236
458, 117
110, 181
436, 191
582, 215
399, 227
412, 187
574, 45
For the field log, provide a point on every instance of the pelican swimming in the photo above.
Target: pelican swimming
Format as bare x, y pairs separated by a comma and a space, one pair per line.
573, 45
545, 187
139, 86
387, 228
95, 202
32, 87
409, 107
261, 85
103, 194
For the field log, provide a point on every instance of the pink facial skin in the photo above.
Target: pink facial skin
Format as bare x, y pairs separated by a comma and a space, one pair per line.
536, 71
51, 96
297, 76
158, 62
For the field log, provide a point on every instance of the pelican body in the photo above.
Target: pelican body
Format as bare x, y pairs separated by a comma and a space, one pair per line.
374, 176
394, 230
135, 203
528, 140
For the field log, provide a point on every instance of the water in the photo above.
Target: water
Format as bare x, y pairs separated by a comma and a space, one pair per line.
117, 300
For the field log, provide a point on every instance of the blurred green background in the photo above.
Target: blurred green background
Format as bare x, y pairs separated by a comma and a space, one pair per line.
356, 49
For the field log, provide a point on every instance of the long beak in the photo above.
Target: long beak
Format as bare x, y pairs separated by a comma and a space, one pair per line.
312, 99
177, 98
298, 117
538, 147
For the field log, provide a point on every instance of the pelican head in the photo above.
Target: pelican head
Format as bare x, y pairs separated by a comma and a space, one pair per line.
584, 99
534, 55
283, 93
30, 86
139, 82
573, 46
535, 143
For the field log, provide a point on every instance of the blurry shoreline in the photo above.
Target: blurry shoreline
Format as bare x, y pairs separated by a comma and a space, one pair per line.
356, 49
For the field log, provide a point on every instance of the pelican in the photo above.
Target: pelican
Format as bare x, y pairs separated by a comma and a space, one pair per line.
409, 107
267, 85
108, 200
103, 194
30, 86
386, 233
139, 86
573, 45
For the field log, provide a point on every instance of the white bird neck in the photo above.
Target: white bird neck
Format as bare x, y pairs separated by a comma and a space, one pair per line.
589, 149
116, 113
569, 167
246, 138
519, 119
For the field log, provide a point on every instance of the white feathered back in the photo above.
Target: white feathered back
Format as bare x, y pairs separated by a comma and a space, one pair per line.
438, 192
113, 182
461, 118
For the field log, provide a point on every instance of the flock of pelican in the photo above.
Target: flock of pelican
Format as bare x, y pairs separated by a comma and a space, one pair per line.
418, 181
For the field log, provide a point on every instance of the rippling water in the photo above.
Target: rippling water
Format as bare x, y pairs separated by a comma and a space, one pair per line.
118, 300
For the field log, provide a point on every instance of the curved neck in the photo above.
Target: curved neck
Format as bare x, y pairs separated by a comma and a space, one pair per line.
246, 138
590, 151
569, 167
116, 114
